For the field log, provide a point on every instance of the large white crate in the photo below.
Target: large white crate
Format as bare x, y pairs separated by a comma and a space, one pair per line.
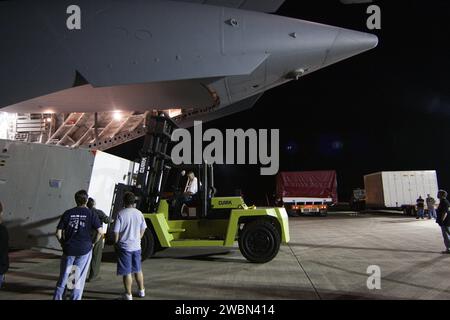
393, 189
38, 183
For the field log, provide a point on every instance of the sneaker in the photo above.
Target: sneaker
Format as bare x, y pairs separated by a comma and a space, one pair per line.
126, 296
141, 293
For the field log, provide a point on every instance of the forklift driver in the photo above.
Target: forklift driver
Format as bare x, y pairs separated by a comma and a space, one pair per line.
190, 190
191, 185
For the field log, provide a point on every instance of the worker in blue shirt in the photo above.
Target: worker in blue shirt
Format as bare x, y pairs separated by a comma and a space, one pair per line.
74, 232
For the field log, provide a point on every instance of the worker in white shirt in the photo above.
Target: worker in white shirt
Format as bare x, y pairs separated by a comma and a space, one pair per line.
191, 185
185, 198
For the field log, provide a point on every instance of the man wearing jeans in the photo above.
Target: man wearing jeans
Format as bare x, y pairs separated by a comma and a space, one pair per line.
74, 232
430, 205
443, 219
128, 230
420, 208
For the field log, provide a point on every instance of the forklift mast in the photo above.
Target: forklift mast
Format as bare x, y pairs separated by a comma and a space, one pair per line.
154, 166
155, 162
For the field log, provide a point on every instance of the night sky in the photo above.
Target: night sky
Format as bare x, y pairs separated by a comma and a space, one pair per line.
387, 109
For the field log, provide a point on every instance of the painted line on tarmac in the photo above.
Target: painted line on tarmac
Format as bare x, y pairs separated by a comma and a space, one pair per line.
306, 274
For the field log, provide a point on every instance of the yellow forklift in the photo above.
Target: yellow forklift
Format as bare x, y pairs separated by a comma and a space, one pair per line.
211, 221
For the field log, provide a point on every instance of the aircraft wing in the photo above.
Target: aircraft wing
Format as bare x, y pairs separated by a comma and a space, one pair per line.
269, 6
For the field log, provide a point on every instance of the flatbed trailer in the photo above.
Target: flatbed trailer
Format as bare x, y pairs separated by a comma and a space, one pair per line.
307, 192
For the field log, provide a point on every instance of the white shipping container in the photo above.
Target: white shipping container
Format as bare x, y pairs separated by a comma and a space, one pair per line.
38, 183
394, 189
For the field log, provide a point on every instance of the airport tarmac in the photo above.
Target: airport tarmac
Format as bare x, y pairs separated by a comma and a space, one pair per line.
327, 258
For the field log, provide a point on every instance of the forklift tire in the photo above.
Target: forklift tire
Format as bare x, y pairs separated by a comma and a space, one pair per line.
259, 241
148, 244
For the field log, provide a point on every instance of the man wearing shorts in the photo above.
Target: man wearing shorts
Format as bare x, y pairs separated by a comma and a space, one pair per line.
128, 230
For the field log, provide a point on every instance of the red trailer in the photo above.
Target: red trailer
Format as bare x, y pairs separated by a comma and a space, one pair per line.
307, 192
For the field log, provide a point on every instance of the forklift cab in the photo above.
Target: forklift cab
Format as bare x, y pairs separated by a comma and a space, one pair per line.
183, 205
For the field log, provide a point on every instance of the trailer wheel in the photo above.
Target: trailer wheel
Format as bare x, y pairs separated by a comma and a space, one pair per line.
259, 241
324, 214
148, 244
292, 213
